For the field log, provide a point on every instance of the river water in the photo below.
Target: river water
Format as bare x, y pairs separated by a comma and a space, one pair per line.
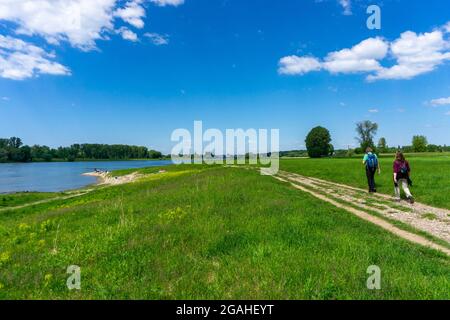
59, 176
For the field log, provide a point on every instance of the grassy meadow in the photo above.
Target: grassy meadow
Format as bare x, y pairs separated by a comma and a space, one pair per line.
209, 232
430, 174
17, 199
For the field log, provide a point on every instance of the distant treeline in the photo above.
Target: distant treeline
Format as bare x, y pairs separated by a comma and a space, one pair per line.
318, 144
13, 150
352, 152
392, 150
294, 153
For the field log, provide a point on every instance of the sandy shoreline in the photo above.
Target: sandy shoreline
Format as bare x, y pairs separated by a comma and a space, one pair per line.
105, 178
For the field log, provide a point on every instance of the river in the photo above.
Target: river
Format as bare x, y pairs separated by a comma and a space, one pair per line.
60, 176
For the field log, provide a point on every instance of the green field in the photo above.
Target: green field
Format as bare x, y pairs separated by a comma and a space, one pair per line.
430, 175
201, 232
16, 199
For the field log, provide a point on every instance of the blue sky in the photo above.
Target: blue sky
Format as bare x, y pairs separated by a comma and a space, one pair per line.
134, 76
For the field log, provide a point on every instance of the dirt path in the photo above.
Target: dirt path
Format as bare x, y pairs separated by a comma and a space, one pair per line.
70, 196
433, 221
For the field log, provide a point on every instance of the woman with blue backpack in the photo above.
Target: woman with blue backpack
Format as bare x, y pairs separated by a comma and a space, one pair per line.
371, 162
401, 177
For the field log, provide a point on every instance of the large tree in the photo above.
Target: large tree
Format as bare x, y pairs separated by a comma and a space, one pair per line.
318, 142
419, 143
366, 131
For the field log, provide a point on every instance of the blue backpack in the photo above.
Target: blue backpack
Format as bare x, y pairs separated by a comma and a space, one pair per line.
372, 161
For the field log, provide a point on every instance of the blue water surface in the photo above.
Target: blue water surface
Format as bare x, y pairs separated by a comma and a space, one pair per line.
60, 176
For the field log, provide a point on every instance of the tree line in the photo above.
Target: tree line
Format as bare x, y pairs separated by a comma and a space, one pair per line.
318, 143
13, 150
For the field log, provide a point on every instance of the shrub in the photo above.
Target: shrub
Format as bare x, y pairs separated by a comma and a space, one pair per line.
318, 143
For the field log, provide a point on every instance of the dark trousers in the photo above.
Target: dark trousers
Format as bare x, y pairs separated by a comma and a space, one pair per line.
370, 173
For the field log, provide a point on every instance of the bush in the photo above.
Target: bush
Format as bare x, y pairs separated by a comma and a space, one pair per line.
419, 143
434, 148
318, 143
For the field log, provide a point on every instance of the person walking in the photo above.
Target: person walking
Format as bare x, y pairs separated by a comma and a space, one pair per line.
402, 172
372, 164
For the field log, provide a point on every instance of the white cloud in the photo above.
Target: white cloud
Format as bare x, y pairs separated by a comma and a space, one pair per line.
294, 65
133, 13
20, 60
79, 22
414, 54
157, 39
373, 110
127, 34
347, 6
363, 57
6, 98
163, 3
440, 102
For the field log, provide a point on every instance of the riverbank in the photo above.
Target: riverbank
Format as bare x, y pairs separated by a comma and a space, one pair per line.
105, 178
61, 176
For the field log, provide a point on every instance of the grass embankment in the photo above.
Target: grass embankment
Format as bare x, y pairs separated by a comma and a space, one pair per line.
208, 232
16, 199
430, 175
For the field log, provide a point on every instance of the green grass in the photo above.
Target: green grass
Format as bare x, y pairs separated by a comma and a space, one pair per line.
153, 170
430, 175
429, 216
16, 199
208, 233
401, 225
